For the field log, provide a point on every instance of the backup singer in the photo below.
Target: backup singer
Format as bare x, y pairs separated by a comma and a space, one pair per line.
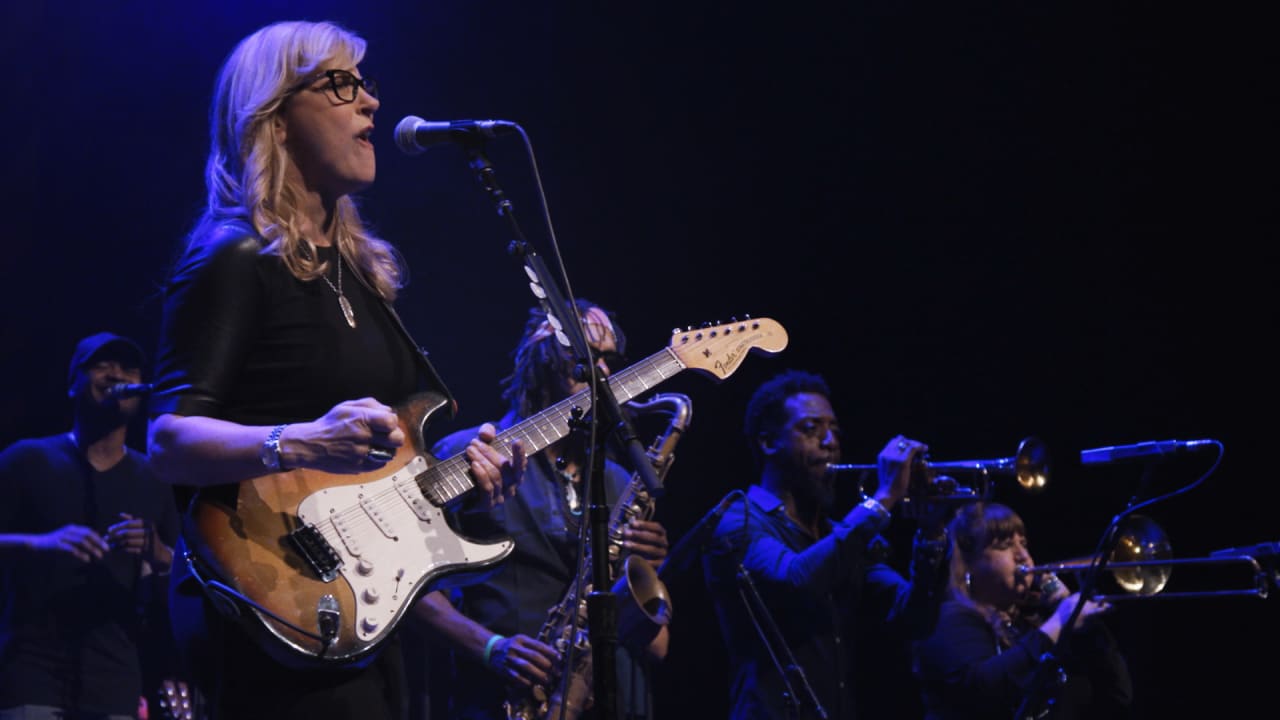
86, 531
996, 625
493, 630
816, 575
279, 348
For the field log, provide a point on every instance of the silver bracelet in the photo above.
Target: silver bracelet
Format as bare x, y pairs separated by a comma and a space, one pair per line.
881, 513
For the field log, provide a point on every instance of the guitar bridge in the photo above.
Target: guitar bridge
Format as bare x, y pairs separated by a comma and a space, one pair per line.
317, 551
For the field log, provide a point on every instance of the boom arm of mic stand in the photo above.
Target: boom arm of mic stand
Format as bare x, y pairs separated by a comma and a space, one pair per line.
601, 604
605, 407
554, 302
776, 644
483, 169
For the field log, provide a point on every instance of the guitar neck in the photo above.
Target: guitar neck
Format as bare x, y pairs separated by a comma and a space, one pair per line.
449, 479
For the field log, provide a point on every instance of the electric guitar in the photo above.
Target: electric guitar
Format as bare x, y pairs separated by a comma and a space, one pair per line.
321, 567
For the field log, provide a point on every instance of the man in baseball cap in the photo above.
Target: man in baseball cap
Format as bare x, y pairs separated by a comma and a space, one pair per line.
87, 532
106, 346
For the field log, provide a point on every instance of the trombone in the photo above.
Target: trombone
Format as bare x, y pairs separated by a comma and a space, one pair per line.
1142, 563
1029, 466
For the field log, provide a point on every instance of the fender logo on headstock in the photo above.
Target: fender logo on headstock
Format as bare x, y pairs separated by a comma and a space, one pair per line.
722, 348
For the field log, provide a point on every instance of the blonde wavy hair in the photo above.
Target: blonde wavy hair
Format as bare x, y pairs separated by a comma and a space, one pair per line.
245, 173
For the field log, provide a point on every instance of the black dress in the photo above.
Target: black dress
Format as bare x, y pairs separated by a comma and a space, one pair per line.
243, 340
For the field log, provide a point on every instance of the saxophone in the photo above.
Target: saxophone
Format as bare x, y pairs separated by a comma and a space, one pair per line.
644, 606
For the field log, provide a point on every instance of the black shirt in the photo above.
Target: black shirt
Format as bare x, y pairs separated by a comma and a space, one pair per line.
70, 630
245, 341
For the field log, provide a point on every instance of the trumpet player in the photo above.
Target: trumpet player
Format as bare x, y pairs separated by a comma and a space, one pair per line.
493, 627
999, 621
816, 573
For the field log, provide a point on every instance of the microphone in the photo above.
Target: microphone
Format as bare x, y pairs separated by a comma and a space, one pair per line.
414, 135
692, 544
1138, 451
120, 391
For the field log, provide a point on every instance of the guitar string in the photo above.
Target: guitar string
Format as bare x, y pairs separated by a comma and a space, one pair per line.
542, 422
361, 526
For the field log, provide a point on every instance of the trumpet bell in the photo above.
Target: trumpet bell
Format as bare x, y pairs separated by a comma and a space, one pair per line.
1030, 467
1031, 464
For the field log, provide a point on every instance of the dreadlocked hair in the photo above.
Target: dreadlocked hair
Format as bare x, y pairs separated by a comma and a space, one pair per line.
541, 364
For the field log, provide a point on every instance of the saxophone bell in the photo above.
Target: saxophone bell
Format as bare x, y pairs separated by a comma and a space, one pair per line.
644, 605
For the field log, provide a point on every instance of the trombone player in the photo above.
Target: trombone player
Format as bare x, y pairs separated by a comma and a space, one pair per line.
999, 620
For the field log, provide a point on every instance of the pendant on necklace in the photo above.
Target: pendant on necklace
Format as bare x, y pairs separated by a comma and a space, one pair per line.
347, 311
570, 492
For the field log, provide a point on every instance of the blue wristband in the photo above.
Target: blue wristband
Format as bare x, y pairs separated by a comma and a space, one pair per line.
488, 647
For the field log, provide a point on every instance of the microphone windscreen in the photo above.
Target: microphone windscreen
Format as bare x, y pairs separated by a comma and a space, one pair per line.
406, 135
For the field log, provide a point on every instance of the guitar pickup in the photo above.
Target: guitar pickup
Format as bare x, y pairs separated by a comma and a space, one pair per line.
317, 551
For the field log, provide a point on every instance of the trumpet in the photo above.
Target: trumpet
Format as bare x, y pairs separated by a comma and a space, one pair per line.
1143, 561
1029, 466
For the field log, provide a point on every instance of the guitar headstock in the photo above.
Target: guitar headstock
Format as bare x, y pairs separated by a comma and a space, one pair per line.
718, 350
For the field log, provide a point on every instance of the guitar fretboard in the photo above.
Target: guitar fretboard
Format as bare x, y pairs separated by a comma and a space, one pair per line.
449, 479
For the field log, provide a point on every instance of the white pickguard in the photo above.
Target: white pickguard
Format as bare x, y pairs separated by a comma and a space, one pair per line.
391, 540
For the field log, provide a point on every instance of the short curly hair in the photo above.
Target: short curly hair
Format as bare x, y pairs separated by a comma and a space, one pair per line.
766, 411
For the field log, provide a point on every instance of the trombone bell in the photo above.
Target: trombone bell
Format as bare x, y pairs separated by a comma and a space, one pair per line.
1142, 563
1146, 544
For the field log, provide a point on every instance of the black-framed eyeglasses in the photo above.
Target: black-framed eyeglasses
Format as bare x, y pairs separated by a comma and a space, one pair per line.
346, 86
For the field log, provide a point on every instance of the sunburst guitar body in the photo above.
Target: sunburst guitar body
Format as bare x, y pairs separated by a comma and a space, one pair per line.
322, 567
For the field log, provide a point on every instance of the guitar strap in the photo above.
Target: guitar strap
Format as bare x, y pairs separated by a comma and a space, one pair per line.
434, 381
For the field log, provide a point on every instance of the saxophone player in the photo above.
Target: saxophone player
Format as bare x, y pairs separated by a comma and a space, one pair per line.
493, 627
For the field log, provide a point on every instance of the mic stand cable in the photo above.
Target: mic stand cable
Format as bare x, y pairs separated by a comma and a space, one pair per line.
1037, 695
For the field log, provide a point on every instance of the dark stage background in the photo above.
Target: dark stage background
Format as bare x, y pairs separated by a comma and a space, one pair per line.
980, 221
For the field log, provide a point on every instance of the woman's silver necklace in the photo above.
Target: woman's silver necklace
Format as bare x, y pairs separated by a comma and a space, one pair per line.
343, 303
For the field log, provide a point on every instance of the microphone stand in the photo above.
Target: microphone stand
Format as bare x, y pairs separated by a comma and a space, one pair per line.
602, 609
694, 544
789, 671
